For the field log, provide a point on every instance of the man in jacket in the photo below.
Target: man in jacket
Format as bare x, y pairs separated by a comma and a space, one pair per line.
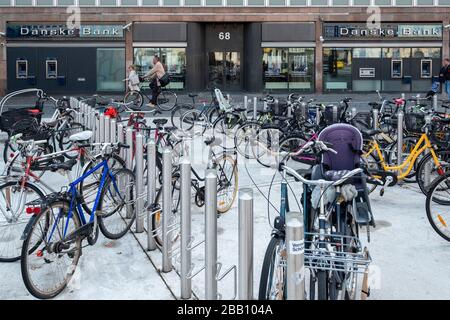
154, 75
444, 76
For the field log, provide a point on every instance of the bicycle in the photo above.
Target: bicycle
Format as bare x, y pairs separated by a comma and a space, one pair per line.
53, 238
437, 205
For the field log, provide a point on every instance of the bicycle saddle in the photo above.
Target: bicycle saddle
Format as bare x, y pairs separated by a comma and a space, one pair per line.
240, 109
66, 166
192, 95
335, 175
213, 141
81, 136
370, 133
160, 122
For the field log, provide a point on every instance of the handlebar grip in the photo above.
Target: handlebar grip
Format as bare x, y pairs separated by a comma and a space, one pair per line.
123, 145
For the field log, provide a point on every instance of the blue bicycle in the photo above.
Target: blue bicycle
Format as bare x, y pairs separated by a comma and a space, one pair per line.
53, 237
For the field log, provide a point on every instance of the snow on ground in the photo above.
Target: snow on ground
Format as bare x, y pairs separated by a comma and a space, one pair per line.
410, 261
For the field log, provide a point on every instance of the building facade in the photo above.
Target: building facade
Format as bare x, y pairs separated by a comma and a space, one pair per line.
255, 45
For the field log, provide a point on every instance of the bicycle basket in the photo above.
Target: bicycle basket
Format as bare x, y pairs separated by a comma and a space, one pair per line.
330, 117
15, 117
414, 122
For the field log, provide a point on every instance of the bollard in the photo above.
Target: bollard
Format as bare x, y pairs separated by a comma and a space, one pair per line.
354, 112
92, 117
246, 102
318, 115
139, 159
166, 210
211, 234
185, 192
120, 138
107, 128
435, 102
403, 96
101, 129
255, 107
97, 129
375, 114
84, 115
129, 163
295, 260
228, 97
245, 267
335, 114
151, 190
113, 131
400, 137
418, 99
429, 164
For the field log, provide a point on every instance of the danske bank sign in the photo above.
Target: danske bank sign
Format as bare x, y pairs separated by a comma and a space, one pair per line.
62, 31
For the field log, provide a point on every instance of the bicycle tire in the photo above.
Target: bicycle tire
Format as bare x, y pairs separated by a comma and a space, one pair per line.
322, 285
429, 202
167, 100
134, 96
66, 145
242, 131
177, 113
420, 173
267, 271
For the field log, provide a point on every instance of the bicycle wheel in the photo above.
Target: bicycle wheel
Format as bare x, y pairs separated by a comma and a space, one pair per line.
227, 124
135, 97
227, 182
117, 203
272, 284
322, 285
167, 100
438, 206
47, 265
194, 121
267, 146
292, 144
64, 142
177, 113
174, 219
373, 167
16, 210
88, 187
427, 164
244, 136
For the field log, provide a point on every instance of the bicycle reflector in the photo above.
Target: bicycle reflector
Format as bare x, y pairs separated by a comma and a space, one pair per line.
440, 171
33, 210
111, 112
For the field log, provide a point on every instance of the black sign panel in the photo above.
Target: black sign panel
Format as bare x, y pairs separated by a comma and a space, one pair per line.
224, 37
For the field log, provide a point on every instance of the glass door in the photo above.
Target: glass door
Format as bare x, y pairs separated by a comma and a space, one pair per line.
224, 70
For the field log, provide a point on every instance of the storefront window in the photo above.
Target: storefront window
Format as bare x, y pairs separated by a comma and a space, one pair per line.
86, 2
277, 2
340, 2
337, 68
255, 2
23, 2
288, 68
65, 2
424, 2
366, 53
110, 69
298, 3
361, 2
235, 2
5, 2
213, 2
107, 2
319, 2
403, 2
44, 2
171, 2
382, 2
396, 53
444, 2
129, 2
173, 60
426, 52
149, 2
192, 2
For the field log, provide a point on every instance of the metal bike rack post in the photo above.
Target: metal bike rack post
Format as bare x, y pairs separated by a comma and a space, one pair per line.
151, 190
403, 96
246, 102
84, 115
166, 210
129, 164
255, 107
435, 102
101, 128
335, 114
211, 235
317, 115
139, 207
400, 117
97, 129
120, 138
245, 266
185, 193
428, 165
418, 99
113, 131
354, 112
295, 261
107, 129
375, 114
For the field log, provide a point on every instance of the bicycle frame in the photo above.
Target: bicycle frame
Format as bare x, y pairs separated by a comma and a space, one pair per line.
405, 168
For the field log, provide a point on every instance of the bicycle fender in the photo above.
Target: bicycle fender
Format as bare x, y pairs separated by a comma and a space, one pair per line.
27, 229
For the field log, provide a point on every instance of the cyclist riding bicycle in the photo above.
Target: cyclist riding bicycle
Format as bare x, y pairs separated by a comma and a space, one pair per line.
154, 75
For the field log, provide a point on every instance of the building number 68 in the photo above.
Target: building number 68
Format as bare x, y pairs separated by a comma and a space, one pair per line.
224, 36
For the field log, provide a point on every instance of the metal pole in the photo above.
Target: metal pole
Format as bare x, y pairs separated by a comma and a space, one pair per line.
211, 234
113, 129
97, 128
129, 164
435, 102
295, 257
107, 129
246, 102
185, 193
167, 210
120, 138
102, 128
255, 107
354, 112
403, 96
428, 165
400, 137
245, 267
375, 114
335, 114
139, 207
151, 190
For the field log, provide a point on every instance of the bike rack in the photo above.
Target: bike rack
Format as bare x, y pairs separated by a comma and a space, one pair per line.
151, 190
139, 159
129, 164
245, 253
295, 256
400, 117
167, 210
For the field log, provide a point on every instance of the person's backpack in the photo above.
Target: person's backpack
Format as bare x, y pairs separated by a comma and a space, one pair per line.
164, 80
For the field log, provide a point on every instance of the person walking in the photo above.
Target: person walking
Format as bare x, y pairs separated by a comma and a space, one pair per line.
444, 76
156, 73
133, 79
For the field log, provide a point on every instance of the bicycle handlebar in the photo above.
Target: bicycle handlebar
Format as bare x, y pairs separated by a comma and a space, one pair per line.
320, 182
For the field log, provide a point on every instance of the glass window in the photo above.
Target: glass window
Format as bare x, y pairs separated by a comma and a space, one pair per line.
298, 3
337, 68
424, 2
382, 2
235, 2
86, 2
319, 2
44, 2
173, 60
5, 2
107, 2
171, 2
275, 68
110, 69
403, 2
444, 2
301, 69
255, 2
65, 2
213, 2
340, 2
361, 2
426, 53
23, 2
149, 2
277, 2
396, 53
367, 53
192, 2
128, 3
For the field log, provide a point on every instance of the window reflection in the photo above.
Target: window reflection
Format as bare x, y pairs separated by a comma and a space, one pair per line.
337, 68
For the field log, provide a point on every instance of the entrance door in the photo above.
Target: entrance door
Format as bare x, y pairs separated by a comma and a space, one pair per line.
224, 70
